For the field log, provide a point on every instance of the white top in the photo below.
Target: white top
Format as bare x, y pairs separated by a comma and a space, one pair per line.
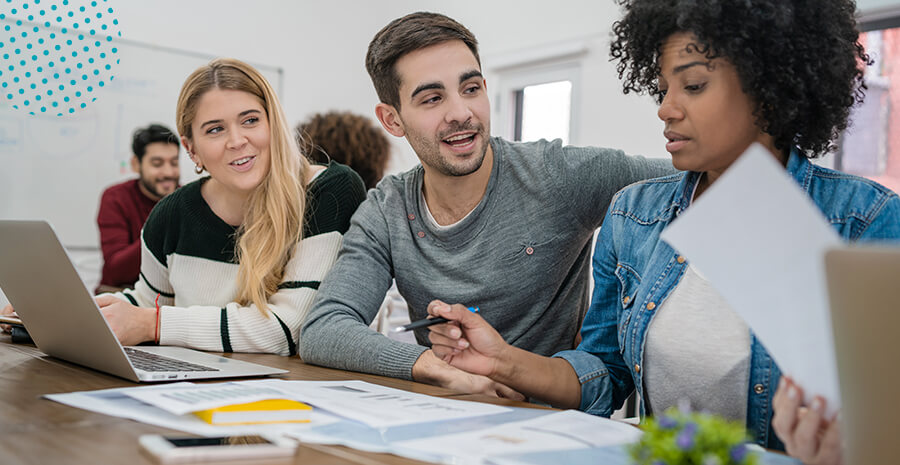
432, 222
697, 350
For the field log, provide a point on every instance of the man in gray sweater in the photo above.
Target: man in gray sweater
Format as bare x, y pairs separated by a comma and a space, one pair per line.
482, 221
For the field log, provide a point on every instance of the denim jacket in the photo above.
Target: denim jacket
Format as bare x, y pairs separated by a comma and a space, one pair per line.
634, 272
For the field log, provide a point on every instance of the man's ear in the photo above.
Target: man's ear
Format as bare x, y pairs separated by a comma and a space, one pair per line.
135, 164
390, 119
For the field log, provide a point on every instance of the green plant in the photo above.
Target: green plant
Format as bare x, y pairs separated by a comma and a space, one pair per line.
677, 438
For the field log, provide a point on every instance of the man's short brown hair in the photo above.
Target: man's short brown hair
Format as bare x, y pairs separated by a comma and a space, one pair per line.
408, 34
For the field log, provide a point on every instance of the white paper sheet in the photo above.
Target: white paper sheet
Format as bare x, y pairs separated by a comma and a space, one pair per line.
378, 406
116, 402
189, 397
565, 430
370, 404
760, 240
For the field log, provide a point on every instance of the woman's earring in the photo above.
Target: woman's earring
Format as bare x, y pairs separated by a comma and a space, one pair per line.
198, 168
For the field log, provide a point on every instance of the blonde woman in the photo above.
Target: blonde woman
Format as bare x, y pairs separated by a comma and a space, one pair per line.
231, 262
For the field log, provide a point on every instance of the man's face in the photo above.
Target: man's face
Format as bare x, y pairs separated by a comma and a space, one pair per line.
158, 169
444, 108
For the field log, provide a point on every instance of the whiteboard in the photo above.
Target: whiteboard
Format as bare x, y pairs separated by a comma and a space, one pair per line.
55, 168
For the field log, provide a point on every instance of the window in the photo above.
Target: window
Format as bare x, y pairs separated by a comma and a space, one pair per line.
543, 111
537, 92
870, 147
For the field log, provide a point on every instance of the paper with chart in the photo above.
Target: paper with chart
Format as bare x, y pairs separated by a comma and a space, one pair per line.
565, 430
183, 398
761, 241
378, 406
119, 402
371, 404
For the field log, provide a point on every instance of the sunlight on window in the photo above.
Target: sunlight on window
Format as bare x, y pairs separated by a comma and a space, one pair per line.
545, 111
870, 147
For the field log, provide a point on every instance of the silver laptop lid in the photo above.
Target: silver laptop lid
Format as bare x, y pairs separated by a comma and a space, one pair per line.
64, 321
48, 295
864, 291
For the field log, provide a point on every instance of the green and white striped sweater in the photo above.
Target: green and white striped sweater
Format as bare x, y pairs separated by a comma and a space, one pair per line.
187, 258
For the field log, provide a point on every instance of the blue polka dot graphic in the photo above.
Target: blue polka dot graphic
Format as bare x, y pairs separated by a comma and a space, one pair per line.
56, 56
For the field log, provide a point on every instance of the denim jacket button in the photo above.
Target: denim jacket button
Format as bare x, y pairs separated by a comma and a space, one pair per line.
529, 250
637, 368
680, 259
626, 300
421, 234
651, 306
759, 389
411, 217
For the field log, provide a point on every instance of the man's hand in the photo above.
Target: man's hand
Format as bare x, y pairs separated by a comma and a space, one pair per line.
7, 311
467, 342
430, 369
806, 433
132, 325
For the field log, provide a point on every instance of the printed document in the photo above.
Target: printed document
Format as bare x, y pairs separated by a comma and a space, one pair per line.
565, 430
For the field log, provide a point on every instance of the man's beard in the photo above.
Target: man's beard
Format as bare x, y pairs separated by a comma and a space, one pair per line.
151, 186
445, 166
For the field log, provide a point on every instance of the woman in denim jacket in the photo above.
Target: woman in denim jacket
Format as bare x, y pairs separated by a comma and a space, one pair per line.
727, 74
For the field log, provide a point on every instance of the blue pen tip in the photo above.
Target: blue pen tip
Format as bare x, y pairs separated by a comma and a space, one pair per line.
474, 309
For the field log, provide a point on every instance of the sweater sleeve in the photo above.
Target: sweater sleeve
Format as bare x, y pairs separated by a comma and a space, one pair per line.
597, 174
336, 332
121, 255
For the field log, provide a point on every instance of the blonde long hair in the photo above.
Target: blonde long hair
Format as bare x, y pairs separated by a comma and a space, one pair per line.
273, 220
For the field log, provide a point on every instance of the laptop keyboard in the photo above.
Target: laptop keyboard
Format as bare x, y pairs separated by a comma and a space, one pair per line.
152, 362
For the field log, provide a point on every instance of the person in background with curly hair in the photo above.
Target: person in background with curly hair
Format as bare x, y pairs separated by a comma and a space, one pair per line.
346, 138
726, 74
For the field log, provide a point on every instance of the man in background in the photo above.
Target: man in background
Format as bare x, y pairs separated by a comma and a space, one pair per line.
124, 207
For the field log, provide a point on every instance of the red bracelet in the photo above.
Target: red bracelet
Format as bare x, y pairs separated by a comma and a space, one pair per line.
156, 333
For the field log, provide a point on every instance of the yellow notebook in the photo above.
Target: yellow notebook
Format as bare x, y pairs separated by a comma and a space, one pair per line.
263, 411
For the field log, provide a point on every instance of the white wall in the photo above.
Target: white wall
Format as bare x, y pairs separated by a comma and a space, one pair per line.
321, 47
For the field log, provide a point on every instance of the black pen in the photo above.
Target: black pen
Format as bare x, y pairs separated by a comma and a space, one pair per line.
426, 322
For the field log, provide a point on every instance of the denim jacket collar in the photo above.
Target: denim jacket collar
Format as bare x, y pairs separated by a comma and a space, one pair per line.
798, 166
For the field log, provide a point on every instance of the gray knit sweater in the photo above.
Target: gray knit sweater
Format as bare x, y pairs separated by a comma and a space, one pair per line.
522, 255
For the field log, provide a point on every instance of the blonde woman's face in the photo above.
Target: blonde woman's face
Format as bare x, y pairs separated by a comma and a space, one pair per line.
231, 139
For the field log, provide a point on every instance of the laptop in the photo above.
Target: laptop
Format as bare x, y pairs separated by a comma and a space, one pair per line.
864, 292
65, 322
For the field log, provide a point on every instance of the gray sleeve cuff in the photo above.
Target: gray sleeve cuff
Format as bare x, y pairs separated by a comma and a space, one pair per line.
398, 359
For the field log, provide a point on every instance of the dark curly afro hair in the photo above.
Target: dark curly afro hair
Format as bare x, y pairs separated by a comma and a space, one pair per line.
347, 138
800, 61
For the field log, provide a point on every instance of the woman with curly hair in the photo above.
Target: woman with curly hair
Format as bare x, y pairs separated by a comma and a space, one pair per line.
346, 138
726, 74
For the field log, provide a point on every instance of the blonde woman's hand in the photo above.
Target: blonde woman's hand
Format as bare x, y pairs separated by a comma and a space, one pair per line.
7, 311
132, 325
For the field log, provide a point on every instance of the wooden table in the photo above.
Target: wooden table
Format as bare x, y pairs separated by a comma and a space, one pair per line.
34, 430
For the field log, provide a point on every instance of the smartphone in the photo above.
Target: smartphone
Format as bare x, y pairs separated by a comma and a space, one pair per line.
166, 449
